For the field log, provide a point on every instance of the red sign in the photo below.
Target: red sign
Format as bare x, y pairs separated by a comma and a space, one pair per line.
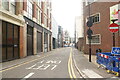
113, 27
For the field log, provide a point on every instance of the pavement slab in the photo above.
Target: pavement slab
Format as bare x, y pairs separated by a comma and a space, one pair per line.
89, 69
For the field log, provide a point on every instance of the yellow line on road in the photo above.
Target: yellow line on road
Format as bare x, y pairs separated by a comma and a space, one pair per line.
70, 66
24, 63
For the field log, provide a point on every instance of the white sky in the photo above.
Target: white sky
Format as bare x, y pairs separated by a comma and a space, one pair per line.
64, 12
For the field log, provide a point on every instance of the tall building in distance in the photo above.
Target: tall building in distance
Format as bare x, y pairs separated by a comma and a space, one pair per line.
66, 38
60, 36
79, 32
102, 38
26, 28
78, 27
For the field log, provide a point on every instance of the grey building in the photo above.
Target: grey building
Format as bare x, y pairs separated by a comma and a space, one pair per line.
60, 36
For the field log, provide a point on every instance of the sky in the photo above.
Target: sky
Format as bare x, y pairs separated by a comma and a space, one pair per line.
64, 12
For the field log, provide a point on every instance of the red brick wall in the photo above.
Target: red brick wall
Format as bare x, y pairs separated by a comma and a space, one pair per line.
25, 5
80, 44
21, 43
100, 28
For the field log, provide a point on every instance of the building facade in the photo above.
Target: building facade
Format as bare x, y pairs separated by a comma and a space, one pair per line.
60, 36
54, 33
26, 28
66, 38
79, 32
102, 38
78, 27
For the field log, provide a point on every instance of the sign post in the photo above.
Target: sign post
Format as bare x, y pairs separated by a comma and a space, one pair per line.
89, 33
114, 28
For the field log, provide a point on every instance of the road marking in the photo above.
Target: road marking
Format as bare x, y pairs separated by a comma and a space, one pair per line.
41, 61
24, 63
31, 66
59, 62
39, 67
70, 66
29, 75
46, 67
54, 67
91, 74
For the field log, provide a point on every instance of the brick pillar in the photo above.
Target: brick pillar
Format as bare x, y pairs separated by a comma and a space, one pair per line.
42, 21
21, 48
35, 41
25, 5
34, 10
19, 7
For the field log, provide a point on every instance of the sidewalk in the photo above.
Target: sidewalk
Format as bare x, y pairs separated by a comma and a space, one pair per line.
89, 69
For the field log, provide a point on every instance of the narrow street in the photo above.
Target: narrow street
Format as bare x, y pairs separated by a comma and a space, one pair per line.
55, 64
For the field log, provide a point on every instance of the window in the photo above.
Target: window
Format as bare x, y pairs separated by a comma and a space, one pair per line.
95, 18
45, 21
39, 3
96, 39
13, 6
5, 4
29, 9
39, 17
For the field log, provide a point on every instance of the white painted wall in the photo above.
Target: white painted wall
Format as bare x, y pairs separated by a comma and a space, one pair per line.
54, 28
79, 27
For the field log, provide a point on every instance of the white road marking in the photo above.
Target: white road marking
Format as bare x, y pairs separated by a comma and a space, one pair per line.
46, 67
91, 74
29, 75
39, 67
54, 67
51, 62
41, 61
59, 62
31, 66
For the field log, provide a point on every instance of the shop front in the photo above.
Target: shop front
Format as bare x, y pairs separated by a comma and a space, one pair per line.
10, 41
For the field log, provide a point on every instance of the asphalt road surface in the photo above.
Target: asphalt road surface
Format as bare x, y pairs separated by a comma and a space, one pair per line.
55, 64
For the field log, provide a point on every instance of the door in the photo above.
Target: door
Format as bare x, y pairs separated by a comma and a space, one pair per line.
39, 42
50, 42
45, 42
10, 41
29, 40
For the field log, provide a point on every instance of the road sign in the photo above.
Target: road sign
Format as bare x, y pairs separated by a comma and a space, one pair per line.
89, 36
89, 32
89, 23
113, 27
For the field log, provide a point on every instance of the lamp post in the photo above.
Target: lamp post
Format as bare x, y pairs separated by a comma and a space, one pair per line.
89, 33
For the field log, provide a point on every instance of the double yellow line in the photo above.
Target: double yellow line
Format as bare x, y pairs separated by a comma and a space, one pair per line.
70, 66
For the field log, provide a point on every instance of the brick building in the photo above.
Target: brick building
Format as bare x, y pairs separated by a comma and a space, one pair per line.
102, 38
26, 28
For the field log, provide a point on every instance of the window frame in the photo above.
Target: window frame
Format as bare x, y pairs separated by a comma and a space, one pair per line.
14, 5
30, 9
94, 16
87, 40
